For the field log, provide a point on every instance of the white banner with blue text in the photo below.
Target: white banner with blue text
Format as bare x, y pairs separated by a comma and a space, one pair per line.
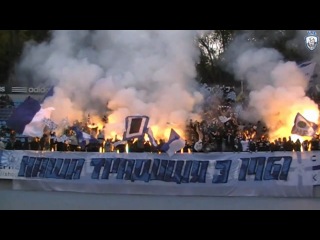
274, 174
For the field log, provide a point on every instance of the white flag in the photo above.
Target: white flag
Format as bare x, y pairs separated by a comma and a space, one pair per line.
303, 127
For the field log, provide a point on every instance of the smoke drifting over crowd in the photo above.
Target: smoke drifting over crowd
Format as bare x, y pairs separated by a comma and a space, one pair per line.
129, 72
153, 73
277, 88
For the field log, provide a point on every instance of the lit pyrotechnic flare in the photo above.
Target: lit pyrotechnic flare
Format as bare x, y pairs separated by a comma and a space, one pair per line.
285, 126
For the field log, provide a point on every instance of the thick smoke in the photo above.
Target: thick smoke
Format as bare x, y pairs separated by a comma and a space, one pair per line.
129, 72
277, 88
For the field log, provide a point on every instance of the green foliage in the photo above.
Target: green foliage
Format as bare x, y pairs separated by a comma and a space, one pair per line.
214, 43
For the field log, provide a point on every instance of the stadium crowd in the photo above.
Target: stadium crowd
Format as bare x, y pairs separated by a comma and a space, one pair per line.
221, 130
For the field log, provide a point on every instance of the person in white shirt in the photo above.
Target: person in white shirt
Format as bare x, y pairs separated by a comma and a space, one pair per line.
245, 145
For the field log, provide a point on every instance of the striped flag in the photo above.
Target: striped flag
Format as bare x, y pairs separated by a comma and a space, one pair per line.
151, 137
175, 143
27, 119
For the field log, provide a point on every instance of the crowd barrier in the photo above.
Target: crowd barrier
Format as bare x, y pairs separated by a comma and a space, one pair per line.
261, 174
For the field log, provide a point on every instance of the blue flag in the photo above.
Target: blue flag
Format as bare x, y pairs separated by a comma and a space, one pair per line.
136, 127
49, 94
28, 118
84, 138
175, 143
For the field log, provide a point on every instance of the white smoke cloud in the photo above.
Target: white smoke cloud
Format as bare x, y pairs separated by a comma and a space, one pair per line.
135, 72
277, 88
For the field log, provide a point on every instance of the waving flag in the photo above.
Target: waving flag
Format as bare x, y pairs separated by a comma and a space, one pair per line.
303, 127
151, 137
174, 144
136, 127
27, 119
83, 138
48, 94
62, 139
50, 124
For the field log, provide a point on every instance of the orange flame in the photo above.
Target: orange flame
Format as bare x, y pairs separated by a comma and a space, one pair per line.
284, 128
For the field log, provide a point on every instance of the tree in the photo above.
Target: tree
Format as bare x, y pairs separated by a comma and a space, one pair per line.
278, 39
11, 46
212, 45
